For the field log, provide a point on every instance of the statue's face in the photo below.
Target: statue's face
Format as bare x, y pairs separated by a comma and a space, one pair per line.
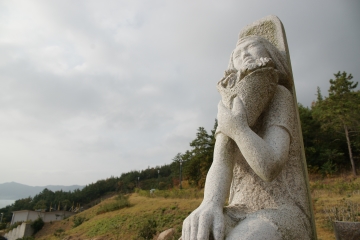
257, 77
247, 52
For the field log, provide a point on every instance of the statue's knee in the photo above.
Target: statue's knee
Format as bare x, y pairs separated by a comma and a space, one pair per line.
254, 229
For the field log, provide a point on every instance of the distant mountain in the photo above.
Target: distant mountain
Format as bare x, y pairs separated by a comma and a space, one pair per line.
14, 191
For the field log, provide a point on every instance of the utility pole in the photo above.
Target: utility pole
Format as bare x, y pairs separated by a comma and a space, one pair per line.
180, 173
158, 178
1, 217
138, 182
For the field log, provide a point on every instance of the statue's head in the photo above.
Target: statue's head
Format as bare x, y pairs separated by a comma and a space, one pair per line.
253, 52
256, 67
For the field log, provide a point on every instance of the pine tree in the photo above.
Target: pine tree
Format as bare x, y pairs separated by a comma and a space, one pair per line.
341, 110
199, 159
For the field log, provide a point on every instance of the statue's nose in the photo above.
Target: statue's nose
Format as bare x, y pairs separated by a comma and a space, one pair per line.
244, 54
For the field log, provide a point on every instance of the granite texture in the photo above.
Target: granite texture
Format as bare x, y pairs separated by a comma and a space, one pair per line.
259, 163
347, 230
167, 234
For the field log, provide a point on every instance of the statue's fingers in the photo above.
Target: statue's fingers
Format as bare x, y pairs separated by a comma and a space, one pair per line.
186, 229
194, 227
221, 110
204, 227
220, 106
238, 105
219, 229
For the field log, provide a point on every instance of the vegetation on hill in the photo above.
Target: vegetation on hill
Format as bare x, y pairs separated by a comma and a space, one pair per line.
331, 195
145, 215
168, 209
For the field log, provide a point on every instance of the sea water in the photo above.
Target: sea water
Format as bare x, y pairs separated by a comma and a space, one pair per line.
4, 203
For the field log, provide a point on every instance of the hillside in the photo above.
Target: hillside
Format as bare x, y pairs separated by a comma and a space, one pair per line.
13, 190
126, 223
169, 208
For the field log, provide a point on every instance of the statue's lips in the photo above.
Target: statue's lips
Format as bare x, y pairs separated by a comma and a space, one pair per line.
255, 90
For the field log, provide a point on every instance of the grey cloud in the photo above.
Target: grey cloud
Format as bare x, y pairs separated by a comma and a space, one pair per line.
109, 88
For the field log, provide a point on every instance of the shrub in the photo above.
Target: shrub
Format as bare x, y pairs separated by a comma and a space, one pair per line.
59, 232
148, 229
120, 202
37, 225
2, 226
78, 221
329, 168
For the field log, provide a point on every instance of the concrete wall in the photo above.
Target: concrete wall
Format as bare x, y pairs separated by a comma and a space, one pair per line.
34, 215
23, 216
25, 229
20, 216
21, 231
56, 216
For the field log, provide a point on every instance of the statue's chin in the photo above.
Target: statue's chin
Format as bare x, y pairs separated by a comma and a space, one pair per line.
255, 90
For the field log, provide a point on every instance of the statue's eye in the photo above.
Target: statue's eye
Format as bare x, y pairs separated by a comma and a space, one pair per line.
237, 55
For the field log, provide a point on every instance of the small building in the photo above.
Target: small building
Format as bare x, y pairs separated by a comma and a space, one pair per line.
27, 215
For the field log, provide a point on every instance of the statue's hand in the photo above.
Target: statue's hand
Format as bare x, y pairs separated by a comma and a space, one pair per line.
205, 219
229, 80
231, 121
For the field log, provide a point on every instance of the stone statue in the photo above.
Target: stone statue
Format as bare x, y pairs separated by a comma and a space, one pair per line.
258, 157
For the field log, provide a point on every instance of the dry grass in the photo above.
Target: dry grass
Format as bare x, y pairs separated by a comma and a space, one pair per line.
170, 208
331, 193
124, 223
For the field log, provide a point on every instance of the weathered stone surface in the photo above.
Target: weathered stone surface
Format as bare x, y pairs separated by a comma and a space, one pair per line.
347, 230
167, 234
23, 230
258, 157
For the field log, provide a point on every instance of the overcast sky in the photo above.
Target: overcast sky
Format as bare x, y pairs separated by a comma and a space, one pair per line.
92, 89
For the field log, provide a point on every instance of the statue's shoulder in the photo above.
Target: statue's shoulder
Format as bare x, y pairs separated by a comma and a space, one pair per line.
282, 101
281, 109
283, 94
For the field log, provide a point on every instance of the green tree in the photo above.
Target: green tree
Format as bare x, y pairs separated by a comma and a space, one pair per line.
323, 147
175, 169
310, 128
65, 204
23, 204
199, 159
41, 204
340, 111
37, 225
